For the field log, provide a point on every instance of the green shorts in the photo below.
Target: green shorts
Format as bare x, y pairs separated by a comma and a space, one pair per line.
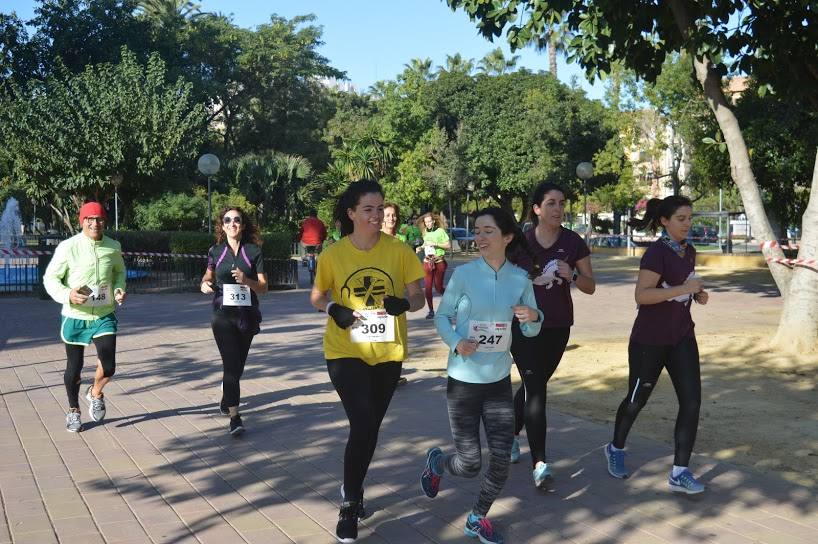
82, 332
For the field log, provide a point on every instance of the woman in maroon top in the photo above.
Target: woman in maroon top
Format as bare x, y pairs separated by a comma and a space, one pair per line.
663, 337
562, 258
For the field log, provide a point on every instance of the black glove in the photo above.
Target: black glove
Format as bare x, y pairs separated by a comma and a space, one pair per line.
395, 305
344, 317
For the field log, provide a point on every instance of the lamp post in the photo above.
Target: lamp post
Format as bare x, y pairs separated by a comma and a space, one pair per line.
585, 171
116, 179
209, 166
469, 189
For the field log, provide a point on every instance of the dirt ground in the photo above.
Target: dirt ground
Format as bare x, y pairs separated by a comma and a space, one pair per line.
759, 407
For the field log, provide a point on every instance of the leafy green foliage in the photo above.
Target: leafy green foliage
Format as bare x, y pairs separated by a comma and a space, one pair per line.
82, 134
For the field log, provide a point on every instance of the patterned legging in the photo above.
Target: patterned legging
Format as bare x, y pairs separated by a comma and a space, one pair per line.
469, 403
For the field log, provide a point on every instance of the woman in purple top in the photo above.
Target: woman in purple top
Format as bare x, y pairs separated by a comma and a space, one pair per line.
663, 337
562, 258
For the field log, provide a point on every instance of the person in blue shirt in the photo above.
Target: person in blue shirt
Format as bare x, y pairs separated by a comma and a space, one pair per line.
482, 299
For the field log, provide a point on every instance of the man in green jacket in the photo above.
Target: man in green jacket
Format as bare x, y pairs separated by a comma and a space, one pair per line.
87, 276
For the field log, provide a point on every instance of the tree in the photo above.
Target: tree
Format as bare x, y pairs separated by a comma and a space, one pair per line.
168, 13
775, 42
280, 185
456, 64
76, 136
495, 63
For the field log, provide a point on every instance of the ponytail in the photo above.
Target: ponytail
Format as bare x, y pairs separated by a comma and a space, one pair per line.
658, 208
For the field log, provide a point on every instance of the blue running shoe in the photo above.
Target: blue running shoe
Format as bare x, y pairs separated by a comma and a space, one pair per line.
542, 473
515, 450
430, 480
480, 527
685, 483
616, 462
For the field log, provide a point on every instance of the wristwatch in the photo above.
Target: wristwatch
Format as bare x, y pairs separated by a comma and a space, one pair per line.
575, 276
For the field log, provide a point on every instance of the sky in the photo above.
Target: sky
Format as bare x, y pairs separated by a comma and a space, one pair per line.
372, 40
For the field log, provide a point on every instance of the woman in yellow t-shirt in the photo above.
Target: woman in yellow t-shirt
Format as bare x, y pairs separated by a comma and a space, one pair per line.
366, 282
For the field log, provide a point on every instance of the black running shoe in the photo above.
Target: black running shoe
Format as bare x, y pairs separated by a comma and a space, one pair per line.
347, 529
223, 408
236, 428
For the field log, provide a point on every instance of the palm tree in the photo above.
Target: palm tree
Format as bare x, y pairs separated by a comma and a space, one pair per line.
495, 63
279, 183
421, 68
168, 12
364, 158
553, 39
456, 64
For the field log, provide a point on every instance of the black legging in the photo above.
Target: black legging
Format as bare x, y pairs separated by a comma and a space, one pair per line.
645, 364
536, 358
365, 392
106, 353
234, 346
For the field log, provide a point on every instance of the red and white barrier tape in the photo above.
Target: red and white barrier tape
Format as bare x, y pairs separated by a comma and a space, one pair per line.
38, 253
769, 244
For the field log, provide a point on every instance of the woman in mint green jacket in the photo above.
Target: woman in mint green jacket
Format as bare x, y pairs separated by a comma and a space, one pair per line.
482, 299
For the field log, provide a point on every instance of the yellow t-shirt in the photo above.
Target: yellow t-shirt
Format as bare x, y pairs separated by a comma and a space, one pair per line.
360, 280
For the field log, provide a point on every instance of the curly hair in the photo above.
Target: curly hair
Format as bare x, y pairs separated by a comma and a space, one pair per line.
249, 233
421, 224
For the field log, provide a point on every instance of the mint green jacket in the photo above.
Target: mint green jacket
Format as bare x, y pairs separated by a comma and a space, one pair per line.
80, 261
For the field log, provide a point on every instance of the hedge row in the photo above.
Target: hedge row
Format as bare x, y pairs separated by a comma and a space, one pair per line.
277, 245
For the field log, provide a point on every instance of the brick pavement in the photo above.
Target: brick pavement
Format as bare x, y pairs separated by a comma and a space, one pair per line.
162, 469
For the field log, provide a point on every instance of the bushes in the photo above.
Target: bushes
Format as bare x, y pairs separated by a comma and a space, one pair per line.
196, 243
141, 240
277, 245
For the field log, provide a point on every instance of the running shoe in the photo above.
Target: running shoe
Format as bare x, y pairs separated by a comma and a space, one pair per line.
685, 483
429, 479
542, 473
362, 513
515, 450
72, 422
430, 315
236, 428
223, 408
616, 462
96, 405
480, 527
347, 528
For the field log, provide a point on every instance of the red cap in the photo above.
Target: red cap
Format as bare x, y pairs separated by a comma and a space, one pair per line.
92, 209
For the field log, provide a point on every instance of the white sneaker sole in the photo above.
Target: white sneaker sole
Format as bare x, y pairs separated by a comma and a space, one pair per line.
682, 489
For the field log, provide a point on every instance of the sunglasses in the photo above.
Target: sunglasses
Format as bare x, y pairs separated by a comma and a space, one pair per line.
235, 219
95, 219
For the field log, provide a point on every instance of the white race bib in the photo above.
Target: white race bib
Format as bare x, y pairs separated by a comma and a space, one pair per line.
492, 336
236, 295
100, 296
374, 326
429, 251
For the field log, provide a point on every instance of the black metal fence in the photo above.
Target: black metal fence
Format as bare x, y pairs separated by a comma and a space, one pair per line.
157, 273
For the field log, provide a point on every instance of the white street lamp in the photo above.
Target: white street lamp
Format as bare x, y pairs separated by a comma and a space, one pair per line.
209, 166
585, 171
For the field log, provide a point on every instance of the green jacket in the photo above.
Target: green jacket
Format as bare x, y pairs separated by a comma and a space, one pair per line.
80, 261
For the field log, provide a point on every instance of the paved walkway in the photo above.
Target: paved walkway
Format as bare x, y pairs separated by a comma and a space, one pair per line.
162, 469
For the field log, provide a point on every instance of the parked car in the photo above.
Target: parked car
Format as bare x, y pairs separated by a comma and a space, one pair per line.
464, 238
703, 235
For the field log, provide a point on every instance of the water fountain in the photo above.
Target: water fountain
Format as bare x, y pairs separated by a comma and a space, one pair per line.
11, 225
16, 273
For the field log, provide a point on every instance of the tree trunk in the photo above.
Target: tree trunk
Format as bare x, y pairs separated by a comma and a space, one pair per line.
552, 53
798, 326
740, 168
